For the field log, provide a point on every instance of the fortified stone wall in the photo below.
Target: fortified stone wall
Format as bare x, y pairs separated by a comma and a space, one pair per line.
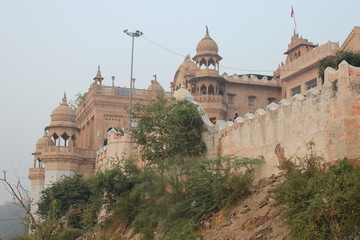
119, 147
330, 118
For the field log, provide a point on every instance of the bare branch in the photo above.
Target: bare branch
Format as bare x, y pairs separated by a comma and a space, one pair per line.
15, 191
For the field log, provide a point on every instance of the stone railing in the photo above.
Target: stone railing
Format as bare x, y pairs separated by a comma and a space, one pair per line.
36, 171
121, 91
67, 151
210, 98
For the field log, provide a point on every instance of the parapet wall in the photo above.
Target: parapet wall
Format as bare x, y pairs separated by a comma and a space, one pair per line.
119, 147
330, 118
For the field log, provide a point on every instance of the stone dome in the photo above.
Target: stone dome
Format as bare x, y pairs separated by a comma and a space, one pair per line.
63, 115
182, 93
155, 86
188, 66
207, 45
43, 141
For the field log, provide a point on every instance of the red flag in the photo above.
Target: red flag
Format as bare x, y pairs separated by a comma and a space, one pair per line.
292, 12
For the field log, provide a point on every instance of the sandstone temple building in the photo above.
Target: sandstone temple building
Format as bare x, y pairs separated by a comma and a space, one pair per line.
288, 108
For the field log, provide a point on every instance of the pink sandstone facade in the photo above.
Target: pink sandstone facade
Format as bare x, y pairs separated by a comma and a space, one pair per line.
330, 118
86, 140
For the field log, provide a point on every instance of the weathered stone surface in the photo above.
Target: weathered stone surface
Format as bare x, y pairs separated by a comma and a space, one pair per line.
331, 119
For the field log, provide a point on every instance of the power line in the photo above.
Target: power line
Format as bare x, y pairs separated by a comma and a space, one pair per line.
163, 47
232, 68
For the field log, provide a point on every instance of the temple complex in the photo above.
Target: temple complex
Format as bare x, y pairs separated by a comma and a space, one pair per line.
82, 140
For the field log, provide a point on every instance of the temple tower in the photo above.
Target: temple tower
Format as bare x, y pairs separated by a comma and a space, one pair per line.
208, 86
61, 156
37, 174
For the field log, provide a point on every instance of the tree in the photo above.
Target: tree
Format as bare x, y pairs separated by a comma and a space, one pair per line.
79, 98
20, 194
353, 58
70, 193
167, 129
46, 230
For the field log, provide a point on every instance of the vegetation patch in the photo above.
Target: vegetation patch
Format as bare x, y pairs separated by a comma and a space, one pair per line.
322, 204
351, 57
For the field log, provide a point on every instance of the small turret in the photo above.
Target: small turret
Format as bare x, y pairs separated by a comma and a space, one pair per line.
98, 78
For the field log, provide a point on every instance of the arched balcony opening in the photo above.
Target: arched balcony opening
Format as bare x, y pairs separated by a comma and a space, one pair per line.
202, 64
203, 90
211, 62
39, 163
54, 139
193, 89
211, 90
221, 92
64, 140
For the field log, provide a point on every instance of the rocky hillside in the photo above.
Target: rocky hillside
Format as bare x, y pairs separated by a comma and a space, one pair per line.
255, 217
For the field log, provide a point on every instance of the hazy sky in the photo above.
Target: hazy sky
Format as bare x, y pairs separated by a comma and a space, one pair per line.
48, 47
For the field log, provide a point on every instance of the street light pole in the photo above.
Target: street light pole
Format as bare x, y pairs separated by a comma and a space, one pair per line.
137, 33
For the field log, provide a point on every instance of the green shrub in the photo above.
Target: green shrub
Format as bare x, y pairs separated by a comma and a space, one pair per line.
353, 58
67, 192
171, 201
323, 205
71, 234
231, 189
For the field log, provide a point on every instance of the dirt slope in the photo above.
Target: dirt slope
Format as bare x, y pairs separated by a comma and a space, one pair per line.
255, 217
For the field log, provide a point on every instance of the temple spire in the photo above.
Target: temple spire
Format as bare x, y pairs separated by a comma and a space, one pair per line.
98, 78
207, 30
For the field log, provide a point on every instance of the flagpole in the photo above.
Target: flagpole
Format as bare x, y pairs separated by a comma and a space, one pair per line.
293, 16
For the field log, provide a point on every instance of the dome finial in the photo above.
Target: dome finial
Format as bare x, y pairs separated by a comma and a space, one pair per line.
98, 73
64, 100
207, 30
98, 78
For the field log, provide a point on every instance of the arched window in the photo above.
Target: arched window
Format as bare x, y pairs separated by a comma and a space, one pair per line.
65, 138
193, 89
54, 138
202, 63
211, 62
203, 89
221, 92
211, 90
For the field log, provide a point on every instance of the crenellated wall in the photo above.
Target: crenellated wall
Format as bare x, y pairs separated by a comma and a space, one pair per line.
330, 118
